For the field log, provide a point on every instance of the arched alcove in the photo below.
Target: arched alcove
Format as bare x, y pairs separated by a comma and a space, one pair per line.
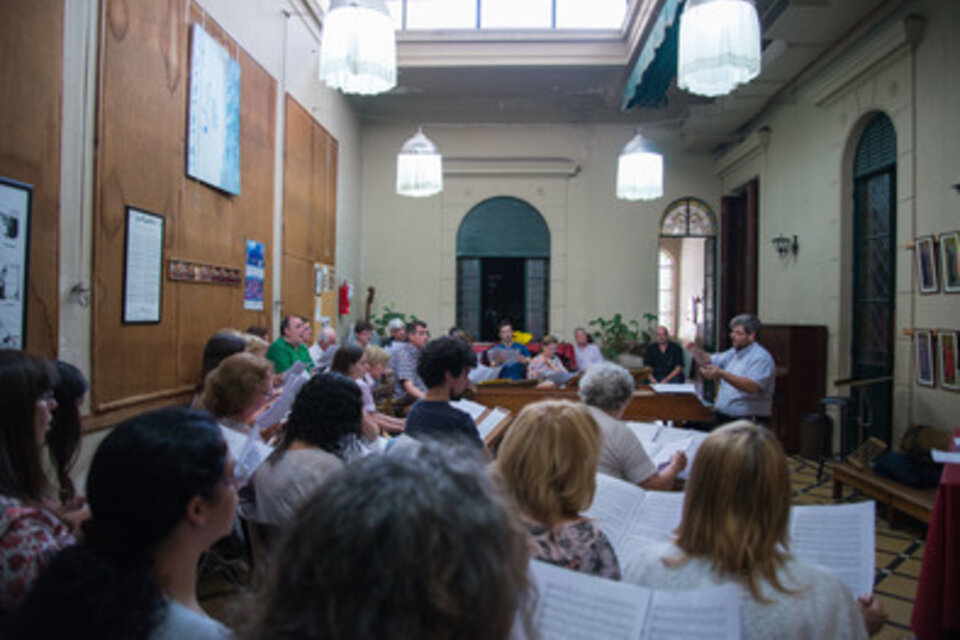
503, 268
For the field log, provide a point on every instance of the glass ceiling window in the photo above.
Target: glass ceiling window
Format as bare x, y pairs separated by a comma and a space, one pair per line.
507, 14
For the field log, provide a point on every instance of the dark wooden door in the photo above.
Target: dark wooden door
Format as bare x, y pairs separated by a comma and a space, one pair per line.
738, 256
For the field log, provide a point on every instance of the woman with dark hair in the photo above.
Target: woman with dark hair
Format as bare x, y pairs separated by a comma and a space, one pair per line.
220, 346
433, 524
161, 490
321, 434
29, 530
736, 513
63, 439
351, 361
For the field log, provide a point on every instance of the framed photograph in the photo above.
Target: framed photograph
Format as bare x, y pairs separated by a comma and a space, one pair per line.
923, 343
950, 261
926, 254
15, 201
949, 374
142, 267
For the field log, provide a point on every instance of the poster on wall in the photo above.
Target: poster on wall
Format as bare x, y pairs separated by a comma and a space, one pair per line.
15, 200
926, 254
142, 267
253, 280
923, 342
213, 119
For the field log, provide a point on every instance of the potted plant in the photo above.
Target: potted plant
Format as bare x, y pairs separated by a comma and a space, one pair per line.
624, 340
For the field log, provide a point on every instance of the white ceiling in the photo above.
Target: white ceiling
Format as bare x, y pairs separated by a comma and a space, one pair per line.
519, 77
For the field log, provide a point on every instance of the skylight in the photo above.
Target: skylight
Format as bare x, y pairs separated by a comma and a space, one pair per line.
413, 15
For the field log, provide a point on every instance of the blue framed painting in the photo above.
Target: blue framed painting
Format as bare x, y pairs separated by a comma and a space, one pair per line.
213, 120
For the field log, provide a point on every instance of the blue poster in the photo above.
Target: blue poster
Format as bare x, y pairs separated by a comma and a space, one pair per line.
253, 279
213, 128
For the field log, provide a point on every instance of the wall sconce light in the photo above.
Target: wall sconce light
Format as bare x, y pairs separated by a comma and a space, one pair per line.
785, 245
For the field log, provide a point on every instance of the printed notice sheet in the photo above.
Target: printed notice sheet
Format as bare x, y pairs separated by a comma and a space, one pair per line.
143, 266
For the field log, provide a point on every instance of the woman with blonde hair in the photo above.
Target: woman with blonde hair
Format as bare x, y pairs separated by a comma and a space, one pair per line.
238, 389
736, 511
548, 463
377, 360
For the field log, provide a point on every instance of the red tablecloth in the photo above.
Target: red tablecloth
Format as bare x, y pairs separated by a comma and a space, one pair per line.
936, 612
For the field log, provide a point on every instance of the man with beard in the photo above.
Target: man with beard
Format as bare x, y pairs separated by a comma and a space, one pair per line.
745, 374
444, 366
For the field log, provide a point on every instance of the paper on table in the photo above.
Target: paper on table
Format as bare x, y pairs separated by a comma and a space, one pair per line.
839, 538
493, 418
675, 388
579, 605
281, 405
474, 409
248, 452
945, 457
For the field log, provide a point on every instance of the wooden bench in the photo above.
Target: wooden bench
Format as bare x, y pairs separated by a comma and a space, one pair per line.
916, 503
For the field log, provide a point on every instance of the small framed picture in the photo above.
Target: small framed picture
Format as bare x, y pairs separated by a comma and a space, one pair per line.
925, 250
949, 374
923, 342
950, 261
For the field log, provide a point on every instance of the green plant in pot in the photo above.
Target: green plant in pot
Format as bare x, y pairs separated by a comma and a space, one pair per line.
624, 340
381, 321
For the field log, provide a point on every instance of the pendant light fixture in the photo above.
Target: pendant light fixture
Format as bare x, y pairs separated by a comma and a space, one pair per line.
358, 53
639, 171
719, 46
419, 167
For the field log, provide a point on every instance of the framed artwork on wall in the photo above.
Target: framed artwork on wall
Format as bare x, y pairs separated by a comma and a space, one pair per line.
142, 267
949, 373
950, 261
15, 203
926, 254
923, 343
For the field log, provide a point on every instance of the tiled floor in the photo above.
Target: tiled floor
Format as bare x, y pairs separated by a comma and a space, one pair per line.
899, 553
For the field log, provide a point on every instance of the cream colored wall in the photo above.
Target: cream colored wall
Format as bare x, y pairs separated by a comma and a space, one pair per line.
805, 189
603, 250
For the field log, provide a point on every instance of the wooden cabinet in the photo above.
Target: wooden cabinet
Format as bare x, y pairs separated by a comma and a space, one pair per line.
800, 354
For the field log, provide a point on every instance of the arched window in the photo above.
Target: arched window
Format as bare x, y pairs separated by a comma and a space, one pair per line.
667, 300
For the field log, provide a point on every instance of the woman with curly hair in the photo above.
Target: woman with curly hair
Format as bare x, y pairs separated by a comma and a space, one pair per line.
321, 434
415, 544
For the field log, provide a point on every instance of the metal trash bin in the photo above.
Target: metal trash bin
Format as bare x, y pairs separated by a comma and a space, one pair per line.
816, 436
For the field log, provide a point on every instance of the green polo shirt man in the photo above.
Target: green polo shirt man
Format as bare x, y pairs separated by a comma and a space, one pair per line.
289, 347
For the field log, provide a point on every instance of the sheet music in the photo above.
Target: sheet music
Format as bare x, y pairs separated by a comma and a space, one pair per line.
502, 355
633, 518
839, 538
493, 418
296, 368
662, 457
710, 612
669, 438
482, 373
474, 409
945, 457
675, 388
248, 451
560, 378
647, 433
281, 406
577, 605
574, 605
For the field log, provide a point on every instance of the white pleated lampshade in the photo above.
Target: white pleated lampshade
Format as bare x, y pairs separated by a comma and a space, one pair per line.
719, 46
358, 53
639, 172
419, 167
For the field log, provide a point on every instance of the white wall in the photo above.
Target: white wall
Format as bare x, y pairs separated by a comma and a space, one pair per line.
805, 189
603, 250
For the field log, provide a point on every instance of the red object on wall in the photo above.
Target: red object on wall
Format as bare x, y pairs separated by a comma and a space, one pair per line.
343, 299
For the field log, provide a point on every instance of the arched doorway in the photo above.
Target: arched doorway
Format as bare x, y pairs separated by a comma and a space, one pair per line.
503, 268
874, 274
688, 267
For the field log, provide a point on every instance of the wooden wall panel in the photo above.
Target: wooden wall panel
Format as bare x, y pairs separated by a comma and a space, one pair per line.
309, 206
31, 77
142, 121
